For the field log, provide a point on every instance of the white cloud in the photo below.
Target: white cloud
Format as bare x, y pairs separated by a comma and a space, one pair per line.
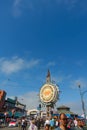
32, 63
20, 5
17, 8
17, 2
51, 64
15, 64
80, 63
82, 82
76, 107
61, 78
31, 100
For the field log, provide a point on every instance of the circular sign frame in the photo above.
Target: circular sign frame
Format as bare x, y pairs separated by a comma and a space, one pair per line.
48, 93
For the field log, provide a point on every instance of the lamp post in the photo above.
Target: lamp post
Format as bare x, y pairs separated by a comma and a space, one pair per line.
82, 101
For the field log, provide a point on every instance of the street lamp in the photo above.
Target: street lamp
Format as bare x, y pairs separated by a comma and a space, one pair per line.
83, 104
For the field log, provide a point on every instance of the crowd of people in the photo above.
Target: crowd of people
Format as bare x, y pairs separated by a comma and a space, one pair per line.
64, 123
53, 123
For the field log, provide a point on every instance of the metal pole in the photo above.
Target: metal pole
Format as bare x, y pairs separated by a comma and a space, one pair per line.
83, 105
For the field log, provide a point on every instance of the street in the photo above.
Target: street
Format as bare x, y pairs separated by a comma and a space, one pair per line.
11, 128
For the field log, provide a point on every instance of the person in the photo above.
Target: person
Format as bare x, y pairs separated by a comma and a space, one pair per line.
63, 121
38, 123
47, 121
51, 123
47, 127
23, 123
80, 125
56, 122
75, 120
70, 123
19, 124
32, 126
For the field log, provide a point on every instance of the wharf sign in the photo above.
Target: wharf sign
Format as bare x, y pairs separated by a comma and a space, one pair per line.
49, 93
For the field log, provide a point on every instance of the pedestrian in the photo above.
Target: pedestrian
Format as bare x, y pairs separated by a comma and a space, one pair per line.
47, 127
19, 124
24, 124
80, 125
32, 126
52, 123
63, 122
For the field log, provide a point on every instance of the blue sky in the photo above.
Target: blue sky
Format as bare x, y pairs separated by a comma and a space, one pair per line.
39, 35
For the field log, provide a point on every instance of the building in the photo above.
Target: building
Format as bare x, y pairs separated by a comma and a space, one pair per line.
14, 108
66, 110
2, 99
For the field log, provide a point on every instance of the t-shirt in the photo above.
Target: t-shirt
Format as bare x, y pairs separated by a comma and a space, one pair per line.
58, 128
52, 122
79, 128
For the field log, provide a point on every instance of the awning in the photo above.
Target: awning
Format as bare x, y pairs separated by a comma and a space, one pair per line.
18, 114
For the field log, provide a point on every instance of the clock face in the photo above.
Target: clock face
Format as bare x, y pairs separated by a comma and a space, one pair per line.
47, 93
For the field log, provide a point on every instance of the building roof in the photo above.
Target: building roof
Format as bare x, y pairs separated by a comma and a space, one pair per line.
66, 112
65, 109
11, 100
63, 106
18, 103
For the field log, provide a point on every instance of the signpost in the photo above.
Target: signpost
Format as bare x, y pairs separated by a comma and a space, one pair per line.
49, 94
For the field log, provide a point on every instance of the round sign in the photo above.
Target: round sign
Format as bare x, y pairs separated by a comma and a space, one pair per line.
48, 93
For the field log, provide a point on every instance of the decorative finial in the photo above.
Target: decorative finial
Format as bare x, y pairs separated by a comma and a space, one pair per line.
48, 78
